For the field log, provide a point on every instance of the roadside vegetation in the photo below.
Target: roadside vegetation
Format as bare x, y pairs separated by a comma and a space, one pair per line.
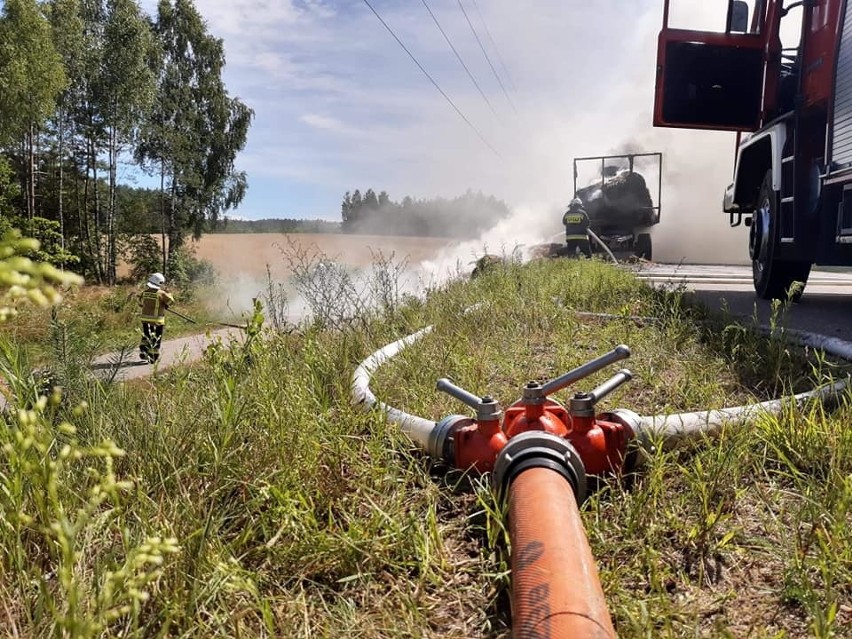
245, 496
107, 317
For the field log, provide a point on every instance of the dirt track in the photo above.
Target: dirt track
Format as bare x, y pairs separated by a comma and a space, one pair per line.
173, 351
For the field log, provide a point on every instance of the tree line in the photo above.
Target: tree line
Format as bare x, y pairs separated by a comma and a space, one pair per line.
275, 225
89, 86
465, 216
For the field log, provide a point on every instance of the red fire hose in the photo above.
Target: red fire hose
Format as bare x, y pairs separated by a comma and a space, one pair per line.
539, 457
556, 591
555, 587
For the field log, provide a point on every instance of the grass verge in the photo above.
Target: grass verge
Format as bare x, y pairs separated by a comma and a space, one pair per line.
107, 317
245, 497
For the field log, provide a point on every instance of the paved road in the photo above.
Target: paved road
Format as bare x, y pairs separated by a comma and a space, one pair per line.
826, 306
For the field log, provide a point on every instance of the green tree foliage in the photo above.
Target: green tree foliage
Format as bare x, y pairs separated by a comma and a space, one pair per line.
79, 80
142, 253
51, 248
127, 92
67, 31
9, 192
196, 129
371, 202
465, 216
31, 71
31, 78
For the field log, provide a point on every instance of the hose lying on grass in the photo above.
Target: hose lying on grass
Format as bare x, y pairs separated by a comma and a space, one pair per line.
674, 428
671, 428
417, 428
555, 586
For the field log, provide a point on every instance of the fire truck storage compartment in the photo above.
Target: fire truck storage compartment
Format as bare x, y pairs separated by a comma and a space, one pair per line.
711, 83
841, 140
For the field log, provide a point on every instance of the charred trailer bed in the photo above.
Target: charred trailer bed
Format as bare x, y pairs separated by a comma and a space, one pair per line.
620, 206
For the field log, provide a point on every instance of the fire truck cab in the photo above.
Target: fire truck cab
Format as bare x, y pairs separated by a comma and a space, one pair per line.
790, 104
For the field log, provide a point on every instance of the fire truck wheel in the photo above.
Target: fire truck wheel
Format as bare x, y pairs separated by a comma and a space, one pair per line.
773, 277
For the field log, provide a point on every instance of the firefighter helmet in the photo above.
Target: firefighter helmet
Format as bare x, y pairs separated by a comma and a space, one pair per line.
576, 203
156, 281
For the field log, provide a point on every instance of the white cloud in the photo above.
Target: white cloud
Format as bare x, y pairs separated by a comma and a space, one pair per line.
322, 122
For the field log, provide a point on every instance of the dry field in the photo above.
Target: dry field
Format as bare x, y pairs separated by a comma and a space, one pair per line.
245, 255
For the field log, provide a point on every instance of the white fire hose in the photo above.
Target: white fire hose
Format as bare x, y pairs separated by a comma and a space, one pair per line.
648, 428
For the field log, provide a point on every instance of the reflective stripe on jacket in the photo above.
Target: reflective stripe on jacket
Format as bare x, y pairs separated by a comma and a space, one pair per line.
154, 305
576, 224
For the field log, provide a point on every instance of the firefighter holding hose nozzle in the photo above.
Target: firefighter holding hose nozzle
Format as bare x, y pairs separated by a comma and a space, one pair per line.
576, 222
153, 302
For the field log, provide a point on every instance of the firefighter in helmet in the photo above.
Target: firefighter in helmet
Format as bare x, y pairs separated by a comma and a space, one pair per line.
153, 302
576, 222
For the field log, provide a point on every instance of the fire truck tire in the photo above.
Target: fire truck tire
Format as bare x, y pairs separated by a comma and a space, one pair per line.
642, 248
772, 277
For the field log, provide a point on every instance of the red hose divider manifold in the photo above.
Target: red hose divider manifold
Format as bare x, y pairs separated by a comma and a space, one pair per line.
539, 457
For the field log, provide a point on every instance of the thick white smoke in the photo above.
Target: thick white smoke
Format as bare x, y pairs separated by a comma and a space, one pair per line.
601, 103
582, 84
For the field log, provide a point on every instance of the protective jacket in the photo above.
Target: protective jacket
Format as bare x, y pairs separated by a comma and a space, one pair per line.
153, 305
576, 224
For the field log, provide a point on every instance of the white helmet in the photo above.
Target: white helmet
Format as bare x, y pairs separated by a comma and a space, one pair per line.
576, 203
156, 281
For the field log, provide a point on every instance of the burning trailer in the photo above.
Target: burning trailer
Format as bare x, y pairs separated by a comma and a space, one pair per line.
621, 207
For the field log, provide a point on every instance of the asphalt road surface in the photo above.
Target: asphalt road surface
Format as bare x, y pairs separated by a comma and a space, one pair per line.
825, 307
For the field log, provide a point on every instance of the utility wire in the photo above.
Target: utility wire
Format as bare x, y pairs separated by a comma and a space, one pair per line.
458, 56
494, 44
485, 53
432, 80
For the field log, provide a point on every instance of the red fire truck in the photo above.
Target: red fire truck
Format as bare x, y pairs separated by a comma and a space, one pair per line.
791, 107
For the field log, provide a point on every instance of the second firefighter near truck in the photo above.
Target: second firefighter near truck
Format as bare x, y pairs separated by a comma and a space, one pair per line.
576, 222
153, 302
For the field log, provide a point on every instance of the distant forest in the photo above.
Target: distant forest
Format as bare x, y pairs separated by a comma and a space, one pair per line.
465, 216
274, 225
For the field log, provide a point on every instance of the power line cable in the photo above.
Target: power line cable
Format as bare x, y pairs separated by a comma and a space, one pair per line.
494, 44
432, 80
458, 56
485, 53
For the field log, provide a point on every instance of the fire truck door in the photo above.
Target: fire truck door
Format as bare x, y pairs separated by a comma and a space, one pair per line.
709, 80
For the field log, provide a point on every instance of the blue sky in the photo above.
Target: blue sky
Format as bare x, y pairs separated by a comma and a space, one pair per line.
340, 106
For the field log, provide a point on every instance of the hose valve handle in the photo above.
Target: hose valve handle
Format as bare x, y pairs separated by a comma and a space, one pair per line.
619, 353
613, 383
487, 408
583, 404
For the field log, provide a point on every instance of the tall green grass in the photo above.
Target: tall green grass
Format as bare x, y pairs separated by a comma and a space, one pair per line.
106, 318
245, 497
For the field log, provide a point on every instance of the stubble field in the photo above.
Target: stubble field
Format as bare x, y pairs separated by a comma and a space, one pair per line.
248, 254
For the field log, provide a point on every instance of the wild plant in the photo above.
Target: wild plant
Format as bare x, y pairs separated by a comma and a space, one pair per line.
71, 567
